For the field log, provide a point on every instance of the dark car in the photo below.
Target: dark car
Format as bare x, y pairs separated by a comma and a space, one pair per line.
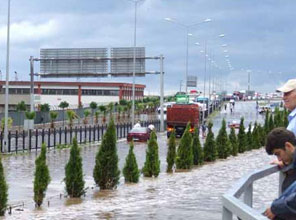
138, 134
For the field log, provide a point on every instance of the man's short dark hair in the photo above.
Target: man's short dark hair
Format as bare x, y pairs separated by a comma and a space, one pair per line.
277, 138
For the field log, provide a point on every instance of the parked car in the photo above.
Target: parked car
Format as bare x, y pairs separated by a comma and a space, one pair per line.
234, 124
139, 134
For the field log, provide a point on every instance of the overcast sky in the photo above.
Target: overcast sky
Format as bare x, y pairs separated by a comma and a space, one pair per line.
259, 34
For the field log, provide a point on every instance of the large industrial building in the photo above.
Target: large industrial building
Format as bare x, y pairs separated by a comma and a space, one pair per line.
75, 93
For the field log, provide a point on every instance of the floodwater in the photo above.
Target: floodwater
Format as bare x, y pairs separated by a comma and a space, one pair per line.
184, 195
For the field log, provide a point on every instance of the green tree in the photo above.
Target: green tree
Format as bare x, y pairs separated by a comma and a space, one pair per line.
198, 156
3, 190
110, 108
53, 116
131, 171
285, 118
93, 106
152, 163
266, 123
9, 123
171, 154
71, 115
103, 109
106, 172
97, 113
119, 110
242, 139
184, 159
123, 102
256, 137
44, 108
63, 105
249, 136
74, 173
86, 114
42, 177
262, 135
20, 108
270, 122
222, 143
210, 150
233, 142
30, 115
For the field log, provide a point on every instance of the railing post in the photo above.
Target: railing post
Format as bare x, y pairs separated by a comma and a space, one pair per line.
24, 142
16, 141
48, 138
94, 133
36, 138
226, 215
89, 134
80, 134
9, 141
248, 195
54, 137
85, 133
66, 133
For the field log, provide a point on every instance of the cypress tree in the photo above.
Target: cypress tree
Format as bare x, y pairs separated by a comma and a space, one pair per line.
256, 137
74, 173
198, 156
261, 134
210, 151
3, 190
106, 172
42, 177
171, 154
242, 140
277, 118
270, 122
184, 159
249, 138
130, 171
222, 142
285, 119
152, 163
233, 142
266, 123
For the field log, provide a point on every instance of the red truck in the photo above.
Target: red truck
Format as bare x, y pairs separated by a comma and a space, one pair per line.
179, 115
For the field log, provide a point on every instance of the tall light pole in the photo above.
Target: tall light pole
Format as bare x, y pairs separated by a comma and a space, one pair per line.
187, 27
6, 84
134, 59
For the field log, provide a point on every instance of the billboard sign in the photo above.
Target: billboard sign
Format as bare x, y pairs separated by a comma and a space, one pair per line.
74, 62
122, 61
191, 81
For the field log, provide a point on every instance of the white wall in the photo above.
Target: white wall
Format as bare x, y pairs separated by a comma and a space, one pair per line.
55, 100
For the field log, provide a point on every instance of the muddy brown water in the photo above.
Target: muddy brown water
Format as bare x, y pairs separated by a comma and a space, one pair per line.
183, 195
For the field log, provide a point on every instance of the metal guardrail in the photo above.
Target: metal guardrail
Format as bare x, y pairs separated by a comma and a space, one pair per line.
243, 209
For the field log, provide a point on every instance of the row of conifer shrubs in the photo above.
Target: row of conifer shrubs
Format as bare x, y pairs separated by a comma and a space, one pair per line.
191, 153
106, 173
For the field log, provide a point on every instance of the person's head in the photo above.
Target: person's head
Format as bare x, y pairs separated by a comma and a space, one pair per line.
289, 94
281, 142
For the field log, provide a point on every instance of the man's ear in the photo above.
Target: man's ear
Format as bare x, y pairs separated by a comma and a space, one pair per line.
289, 146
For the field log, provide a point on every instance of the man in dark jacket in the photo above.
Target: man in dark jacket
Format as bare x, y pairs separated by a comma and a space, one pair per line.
281, 142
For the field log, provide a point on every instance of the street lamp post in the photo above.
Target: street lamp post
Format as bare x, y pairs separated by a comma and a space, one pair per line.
187, 27
134, 60
6, 84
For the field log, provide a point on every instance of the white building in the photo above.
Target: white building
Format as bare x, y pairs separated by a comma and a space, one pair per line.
75, 93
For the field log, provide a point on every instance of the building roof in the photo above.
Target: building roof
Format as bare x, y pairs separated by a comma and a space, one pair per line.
59, 83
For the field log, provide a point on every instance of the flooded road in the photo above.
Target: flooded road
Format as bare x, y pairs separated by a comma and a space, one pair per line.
185, 195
